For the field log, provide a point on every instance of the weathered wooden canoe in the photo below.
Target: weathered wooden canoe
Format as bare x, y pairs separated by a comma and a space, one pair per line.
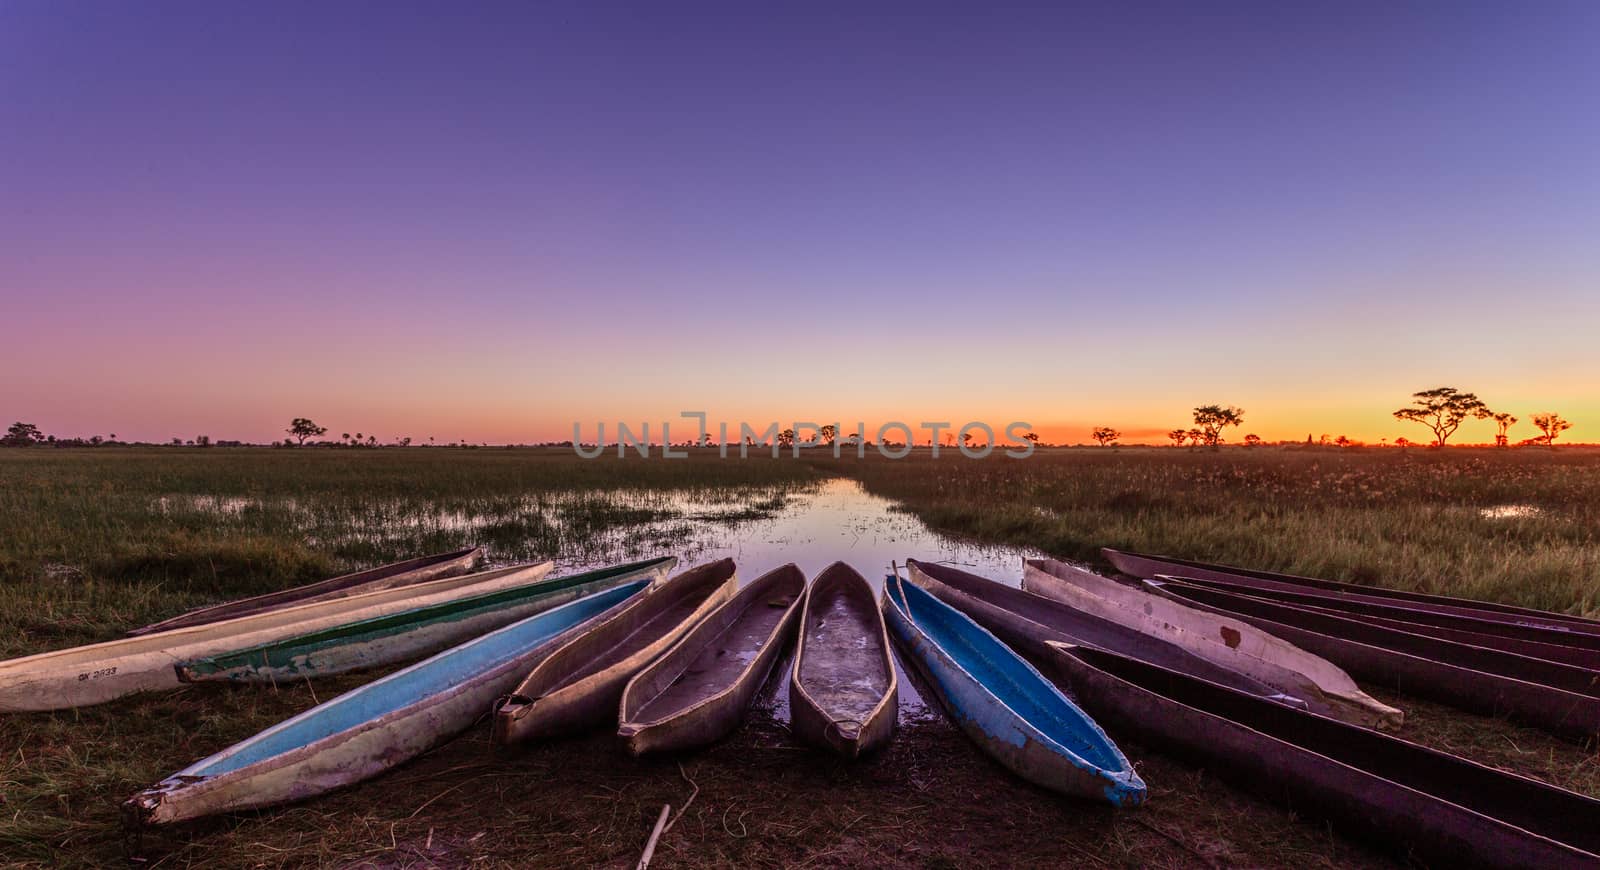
697, 692
1373, 609
368, 730
409, 634
1557, 698
580, 685
1014, 715
1446, 810
844, 693
1026, 621
1144, 567
1223, 640
407, 573
101, 672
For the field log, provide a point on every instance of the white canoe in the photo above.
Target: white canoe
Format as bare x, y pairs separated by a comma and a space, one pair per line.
101, 672
1222, 640
372, 728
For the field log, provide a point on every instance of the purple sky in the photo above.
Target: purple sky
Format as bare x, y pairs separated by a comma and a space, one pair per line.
411, 219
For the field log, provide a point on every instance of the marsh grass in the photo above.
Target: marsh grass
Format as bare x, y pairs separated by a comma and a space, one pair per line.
1409, 519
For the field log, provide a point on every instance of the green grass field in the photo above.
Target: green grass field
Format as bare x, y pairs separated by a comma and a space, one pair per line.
93, 542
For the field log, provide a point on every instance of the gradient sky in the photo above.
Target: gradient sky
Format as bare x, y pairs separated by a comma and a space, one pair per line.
416, 220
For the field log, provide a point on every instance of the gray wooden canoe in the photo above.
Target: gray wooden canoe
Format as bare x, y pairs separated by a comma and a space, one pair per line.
1558, 698
375, 727
1431, 807
697, 692
407, 573
843, 692
1221, 639
410, 634
580, 685
101, 672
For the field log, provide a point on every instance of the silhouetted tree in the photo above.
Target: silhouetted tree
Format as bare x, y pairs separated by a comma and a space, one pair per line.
1252, 440
1442, 409
1032, 438
1212, 419
1196, 437
1551, 425
302, 428
1504, 422
1105, 435
22, 435
785, 438
1177, 437
1402, 441
828, 433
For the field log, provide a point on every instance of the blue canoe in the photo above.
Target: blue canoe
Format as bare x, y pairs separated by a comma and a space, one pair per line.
375, 727
1006, 707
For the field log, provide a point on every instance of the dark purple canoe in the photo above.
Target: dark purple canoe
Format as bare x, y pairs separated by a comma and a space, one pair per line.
1561, 699
1441, 808
1145, 567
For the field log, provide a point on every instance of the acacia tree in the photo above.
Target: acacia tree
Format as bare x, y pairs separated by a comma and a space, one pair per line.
22, 434
1195, 436
828, 433
1505, 422
1551, 425
1252, 440
1105, 435
1443, 409
302, 428
785, 438
1177, 437
1212, 419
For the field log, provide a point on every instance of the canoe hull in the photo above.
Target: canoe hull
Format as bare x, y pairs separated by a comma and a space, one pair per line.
567, 693
715, 716
813, 718
360, 752
407, 573
103, 672
1225, 641
1014, 741
1358, 799
407, 635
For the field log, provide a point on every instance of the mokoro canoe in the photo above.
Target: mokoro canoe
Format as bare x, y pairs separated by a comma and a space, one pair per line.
407, 573
1222, 640
1373, 609
580, 685
1431, 805
101, 672
1026, 621
697, 692
1557, 698
368, 730
844, 693
1145, 567
409, 634
1013, 713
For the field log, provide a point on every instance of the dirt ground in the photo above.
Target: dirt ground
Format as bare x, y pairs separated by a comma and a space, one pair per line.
756, 800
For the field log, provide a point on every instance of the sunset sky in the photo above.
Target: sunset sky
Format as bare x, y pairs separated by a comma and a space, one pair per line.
488, 221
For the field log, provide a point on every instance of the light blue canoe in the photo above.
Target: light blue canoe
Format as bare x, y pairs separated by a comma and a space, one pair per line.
375, 727
1012, 712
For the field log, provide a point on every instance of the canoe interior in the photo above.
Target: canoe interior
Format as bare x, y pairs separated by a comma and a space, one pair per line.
1076, 626
1010, 680
1534, 806
459, 609
367, 580
843, 667
407, 686
1144, 567
1490, 661
744, 626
